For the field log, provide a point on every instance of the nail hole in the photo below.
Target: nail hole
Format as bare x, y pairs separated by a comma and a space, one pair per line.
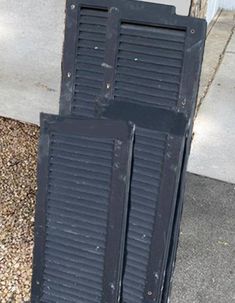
69, 75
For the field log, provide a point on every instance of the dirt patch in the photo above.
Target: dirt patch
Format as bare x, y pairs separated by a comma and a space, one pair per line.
18, 158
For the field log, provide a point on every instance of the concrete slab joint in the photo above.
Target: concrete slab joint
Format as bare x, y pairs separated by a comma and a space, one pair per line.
213, 146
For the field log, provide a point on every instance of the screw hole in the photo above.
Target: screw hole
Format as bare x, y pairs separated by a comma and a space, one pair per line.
73, 6
192, 31
69, 75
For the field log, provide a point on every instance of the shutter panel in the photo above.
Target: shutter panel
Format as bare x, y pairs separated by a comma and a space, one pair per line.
149, 65
137, 52
84, 168
90, 53
157, 163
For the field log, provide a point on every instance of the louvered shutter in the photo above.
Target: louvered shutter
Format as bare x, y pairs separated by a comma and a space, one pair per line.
83, 184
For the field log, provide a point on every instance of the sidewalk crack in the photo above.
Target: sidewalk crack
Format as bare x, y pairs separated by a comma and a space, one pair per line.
232, 31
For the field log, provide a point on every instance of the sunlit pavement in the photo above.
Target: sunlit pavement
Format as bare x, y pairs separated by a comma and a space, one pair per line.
213, 148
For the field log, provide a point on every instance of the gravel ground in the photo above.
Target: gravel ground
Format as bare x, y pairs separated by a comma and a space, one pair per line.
18, 158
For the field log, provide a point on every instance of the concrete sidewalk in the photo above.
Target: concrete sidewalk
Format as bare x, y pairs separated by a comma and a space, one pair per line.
30, 50
205, 267
213, 145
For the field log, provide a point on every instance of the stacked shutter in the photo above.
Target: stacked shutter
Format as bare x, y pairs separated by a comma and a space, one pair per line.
130, 61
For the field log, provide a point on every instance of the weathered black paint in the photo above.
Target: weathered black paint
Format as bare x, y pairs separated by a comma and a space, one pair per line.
137, 13
166, 199
120, 135
106, 102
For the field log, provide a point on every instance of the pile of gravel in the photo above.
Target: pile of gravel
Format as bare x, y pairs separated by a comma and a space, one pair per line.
18, 159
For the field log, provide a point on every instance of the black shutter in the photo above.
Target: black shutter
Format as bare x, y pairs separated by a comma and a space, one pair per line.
152, 57
130, 51
83, 184
157, 164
